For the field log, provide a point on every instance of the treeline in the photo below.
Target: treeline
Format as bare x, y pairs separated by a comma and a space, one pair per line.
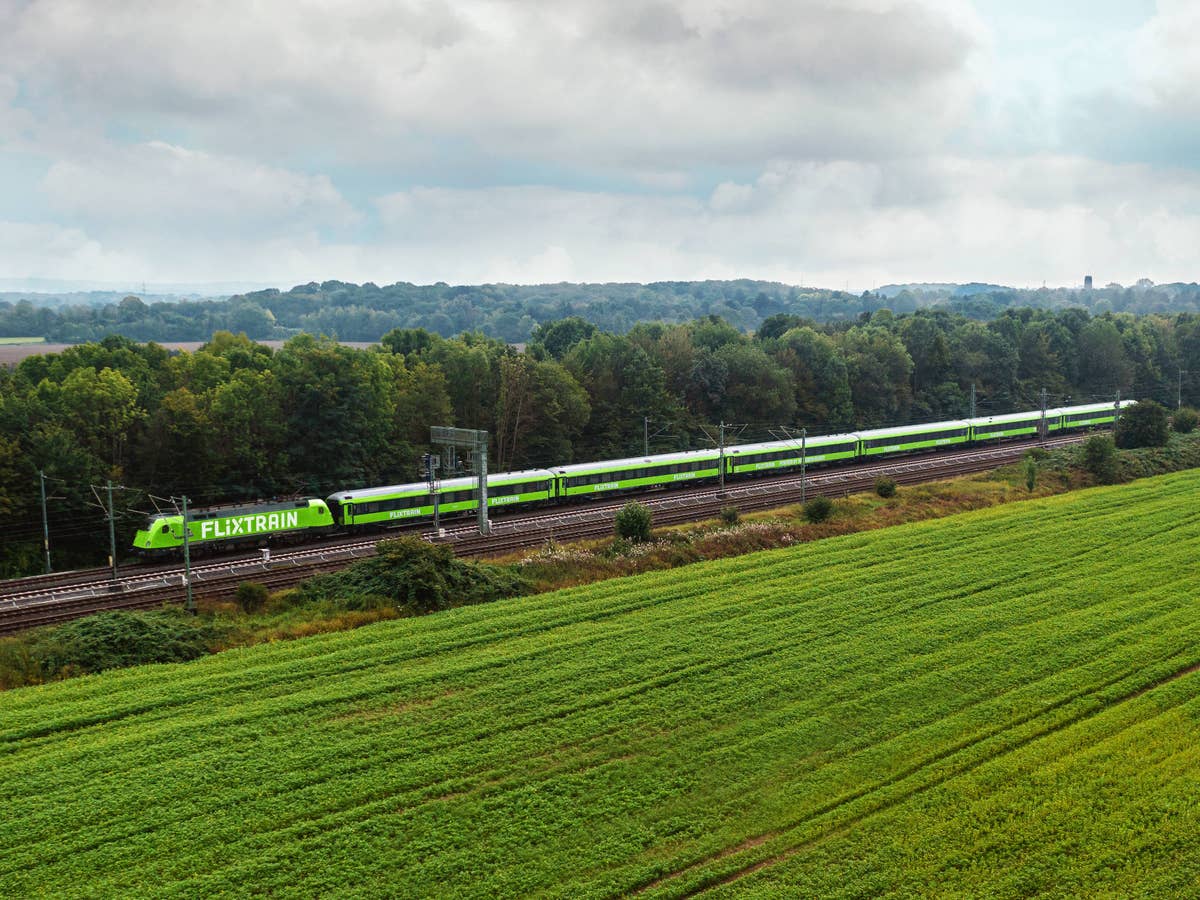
512, 312
237, 420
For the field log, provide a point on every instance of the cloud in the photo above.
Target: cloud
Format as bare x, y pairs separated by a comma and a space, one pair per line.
147, 187
1151, 113
15, 123
624, 83
953, 218
828, 141
31, 249
1164, 58
853, 224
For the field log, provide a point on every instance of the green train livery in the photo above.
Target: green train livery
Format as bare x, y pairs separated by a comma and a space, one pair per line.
227, 527
374, 508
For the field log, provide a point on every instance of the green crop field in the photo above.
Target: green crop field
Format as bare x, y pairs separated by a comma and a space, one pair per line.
22, 340
997, 703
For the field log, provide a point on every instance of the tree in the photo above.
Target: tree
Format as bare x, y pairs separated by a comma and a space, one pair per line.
103, 407
16, 492
706, 387
1185, 420
1100, 458
623, 385
985, 357
1046, 357
560, 336
251, 441
757, 389
422, 399
199, 372
471, 365
1102, 362
251, 596
818, 509
926, 343
880, 370
1142, 425
239, 351
776, 326
404, 341
713, 332
818, 375
131, 309
339, 406
633, 521
671, 348
540, 413
179, 445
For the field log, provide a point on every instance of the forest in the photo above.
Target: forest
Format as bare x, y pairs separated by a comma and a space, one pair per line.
237, 420
512, 313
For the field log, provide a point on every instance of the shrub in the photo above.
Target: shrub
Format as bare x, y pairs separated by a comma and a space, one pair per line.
1037, 453
632, 522
1142, 425
818, 509
1186, 419
730, 515
414, 576
1100, 458
885, 487
251, 596
108, 640
1031, 474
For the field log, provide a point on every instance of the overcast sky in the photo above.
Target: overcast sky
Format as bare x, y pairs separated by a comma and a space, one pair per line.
842, 143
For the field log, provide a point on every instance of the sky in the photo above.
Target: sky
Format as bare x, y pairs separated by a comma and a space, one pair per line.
835, 143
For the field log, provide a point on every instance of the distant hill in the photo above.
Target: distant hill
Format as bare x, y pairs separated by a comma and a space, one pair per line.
354, 312
948, 289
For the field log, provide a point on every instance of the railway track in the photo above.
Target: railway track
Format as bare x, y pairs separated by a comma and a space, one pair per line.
52, 599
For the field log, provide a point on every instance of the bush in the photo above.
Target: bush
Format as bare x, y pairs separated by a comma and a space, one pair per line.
104, 641
1186, 419
412, 575
730, 515
818, 509
885, 487
632, 523
251, 596
1142, 425
1037, 453
1100, 458
1031, 473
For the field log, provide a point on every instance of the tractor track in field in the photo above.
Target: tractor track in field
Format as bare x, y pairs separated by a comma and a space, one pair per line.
953, 769
52, 599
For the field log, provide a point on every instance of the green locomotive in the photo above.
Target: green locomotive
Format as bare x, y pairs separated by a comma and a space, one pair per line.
231, 527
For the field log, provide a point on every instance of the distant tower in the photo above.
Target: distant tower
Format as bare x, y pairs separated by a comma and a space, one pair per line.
1087, 282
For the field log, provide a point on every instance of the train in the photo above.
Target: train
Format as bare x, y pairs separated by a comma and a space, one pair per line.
373, 508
